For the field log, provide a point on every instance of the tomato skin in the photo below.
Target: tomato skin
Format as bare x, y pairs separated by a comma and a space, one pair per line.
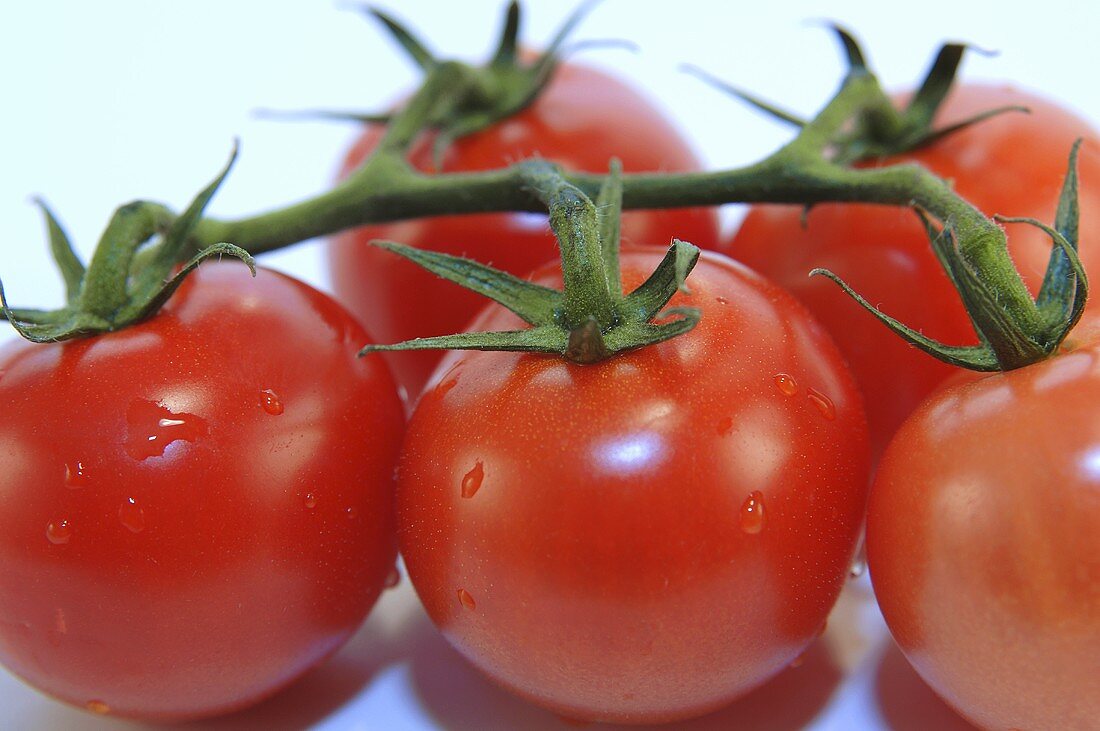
196, 510
983, 543
1012, 165
580, 120
604, 561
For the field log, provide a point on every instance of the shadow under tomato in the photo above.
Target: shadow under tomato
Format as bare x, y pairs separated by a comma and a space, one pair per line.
460, 698
905, 700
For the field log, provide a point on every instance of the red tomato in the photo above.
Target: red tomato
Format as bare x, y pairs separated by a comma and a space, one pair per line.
196, 510
580, 120
983, 543
647, 538
1012, 164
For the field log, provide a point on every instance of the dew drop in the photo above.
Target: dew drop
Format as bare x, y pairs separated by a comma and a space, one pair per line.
721, 300
153, 427
823, 403
270, 402
471, 482
725, 426
59, 623
76, 475
858, 567
131, 515
59, 532
310, 500
466, 600
786, 384
752, 513
98, 707
393, 578
352, 513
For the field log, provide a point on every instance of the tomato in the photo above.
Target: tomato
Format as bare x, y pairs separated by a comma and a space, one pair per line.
581, 119
1012, 164
649, 537
983, 542
197, 509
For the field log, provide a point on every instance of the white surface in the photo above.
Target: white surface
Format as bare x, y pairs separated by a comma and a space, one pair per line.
115, 100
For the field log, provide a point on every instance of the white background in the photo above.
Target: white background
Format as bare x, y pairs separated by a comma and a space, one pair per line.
109, 101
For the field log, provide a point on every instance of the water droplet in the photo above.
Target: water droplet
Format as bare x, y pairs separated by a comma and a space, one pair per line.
270, 402
786, 384
98, 707
721, 300
76, 475
858, 567
153, 427
59, 532
310, 500
352, 513
59, 623
131, 515
466, 600
752, 513
725, 426
823, 403
471, 482
393, 578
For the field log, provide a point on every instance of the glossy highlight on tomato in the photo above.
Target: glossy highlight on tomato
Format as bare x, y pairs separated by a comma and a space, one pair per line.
646, 538
195, 510
1012, 165
581, 119
983, 542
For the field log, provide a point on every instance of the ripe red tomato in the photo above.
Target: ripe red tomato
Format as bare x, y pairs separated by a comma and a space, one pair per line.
983, 542
1012, 164
196, 510
581, 119
649, 537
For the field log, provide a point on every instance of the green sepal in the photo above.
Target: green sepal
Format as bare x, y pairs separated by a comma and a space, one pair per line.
609, 208
1058, 288
532, 302
645, 302
857, 64
974, 357
409, 43
68, 263
541, 339
772, 110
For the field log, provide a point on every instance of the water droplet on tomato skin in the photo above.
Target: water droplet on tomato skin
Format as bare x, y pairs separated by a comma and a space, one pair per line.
131, 515
471, 481
310, 500
752, 513
822, 402
76, 475
98, 707
721, 300
59, 532
858, 567
269, 402
352, 513
786, 384
153, 427
466, 600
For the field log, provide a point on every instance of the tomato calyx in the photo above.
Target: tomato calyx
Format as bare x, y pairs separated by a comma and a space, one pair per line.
881, 130
476, 97
590, 319
1007, 342
128, 278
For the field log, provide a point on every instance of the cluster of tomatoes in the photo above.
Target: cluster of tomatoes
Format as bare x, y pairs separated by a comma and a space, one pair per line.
197, 509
